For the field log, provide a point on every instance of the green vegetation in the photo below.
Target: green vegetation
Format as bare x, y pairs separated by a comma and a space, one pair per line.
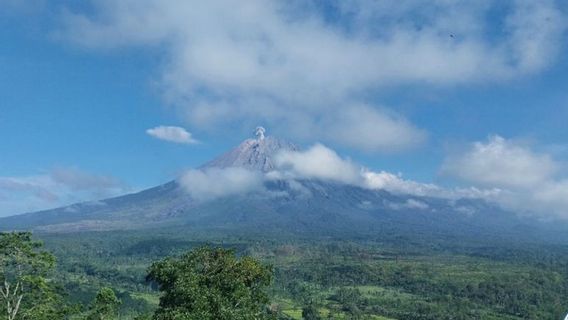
27, 291
105, 305
312, 278
211, 284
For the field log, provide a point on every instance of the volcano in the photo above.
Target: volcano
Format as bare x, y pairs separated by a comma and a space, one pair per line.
300, 206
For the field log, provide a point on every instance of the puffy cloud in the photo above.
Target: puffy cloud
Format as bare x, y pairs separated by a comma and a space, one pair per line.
286, 64
59, 187
172, 134
531, 181
318, 162
213, 183
239, 47
501, 163
395, 183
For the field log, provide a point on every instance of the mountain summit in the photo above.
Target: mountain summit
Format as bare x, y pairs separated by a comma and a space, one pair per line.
253, 154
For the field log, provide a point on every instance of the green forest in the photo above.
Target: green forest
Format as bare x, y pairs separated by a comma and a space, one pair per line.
170, 274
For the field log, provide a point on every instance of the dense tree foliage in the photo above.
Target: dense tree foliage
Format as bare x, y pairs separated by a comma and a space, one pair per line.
105, 305
310, 312
27, 291
211, 284
390, 277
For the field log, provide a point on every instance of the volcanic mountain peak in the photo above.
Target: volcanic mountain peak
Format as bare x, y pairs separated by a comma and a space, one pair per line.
303, 206
254, 154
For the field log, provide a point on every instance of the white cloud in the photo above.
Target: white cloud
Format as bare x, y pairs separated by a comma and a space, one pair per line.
284, 64
215, 183
501, 163
396, 184
547, 196
551, 197
318, 162
531, 181
59, 187
172, 134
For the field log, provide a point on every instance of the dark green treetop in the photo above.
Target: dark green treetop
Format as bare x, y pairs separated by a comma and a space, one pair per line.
211, 284
105, 305
310, 312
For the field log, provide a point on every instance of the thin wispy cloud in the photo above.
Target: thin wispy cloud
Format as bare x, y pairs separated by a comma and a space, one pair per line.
214, 183
58, 187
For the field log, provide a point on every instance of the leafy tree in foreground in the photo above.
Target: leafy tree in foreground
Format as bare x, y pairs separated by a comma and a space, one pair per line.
25, 290
211, 283
105, 305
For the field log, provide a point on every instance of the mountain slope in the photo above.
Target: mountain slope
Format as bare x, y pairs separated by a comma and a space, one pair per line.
253, 154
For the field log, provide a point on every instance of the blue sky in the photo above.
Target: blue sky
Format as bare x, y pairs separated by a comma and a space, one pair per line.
401, 86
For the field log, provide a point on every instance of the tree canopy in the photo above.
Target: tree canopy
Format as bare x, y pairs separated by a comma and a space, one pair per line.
26, 291
105, 305
211, 283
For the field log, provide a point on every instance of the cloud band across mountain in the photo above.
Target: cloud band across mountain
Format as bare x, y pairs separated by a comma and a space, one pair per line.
318, 163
